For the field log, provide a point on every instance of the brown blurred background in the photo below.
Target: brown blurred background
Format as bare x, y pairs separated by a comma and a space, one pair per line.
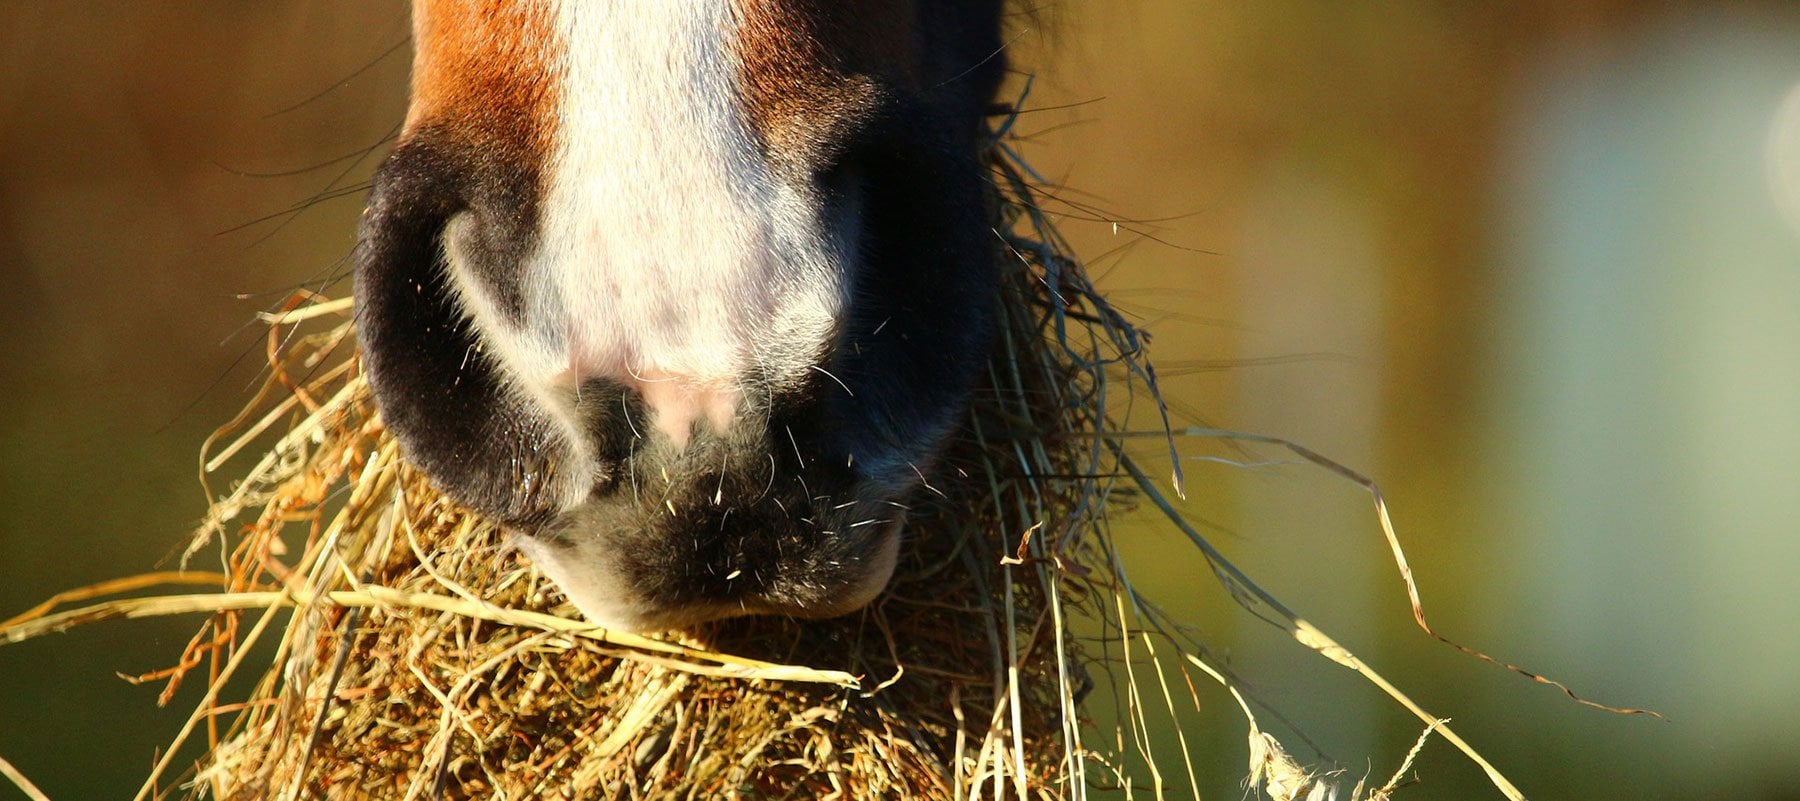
1535, 267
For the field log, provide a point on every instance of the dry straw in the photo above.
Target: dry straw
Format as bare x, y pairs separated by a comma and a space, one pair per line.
368, 638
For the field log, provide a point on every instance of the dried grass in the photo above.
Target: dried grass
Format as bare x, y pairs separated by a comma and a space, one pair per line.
395, 647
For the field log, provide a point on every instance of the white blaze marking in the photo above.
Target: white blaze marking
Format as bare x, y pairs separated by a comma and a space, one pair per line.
670, 259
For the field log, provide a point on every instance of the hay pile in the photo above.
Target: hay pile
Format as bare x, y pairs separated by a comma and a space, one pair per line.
424, 658
370, 639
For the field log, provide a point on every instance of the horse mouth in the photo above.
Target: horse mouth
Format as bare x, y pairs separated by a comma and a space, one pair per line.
605, 595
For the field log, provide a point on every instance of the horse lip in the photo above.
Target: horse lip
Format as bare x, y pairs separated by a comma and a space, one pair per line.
874, 581
608, 602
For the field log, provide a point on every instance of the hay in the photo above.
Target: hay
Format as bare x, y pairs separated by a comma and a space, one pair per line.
424, 658
393, 646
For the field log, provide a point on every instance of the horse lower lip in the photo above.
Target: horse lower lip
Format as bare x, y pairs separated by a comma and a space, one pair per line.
871, 579
875, 579
627, 566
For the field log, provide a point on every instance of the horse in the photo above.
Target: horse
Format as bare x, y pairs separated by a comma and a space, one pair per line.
686, 295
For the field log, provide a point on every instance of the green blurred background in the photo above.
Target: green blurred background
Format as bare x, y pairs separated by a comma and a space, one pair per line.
1533, 266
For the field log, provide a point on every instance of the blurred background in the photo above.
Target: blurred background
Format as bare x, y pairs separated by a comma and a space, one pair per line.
1535, 267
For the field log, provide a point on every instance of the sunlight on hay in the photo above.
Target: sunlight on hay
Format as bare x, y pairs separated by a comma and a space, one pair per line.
371, 639
961, 681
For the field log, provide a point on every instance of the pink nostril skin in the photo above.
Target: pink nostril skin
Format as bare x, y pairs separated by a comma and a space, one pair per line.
676, 403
